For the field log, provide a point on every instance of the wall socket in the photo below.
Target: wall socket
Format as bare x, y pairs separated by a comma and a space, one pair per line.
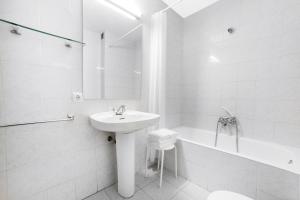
77, 97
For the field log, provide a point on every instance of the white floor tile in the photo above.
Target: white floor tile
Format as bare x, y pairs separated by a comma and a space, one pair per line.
140, 195
172, 189
98, 196
167, 191
112, 193
182, 196
142, 181
178, 182
195, 192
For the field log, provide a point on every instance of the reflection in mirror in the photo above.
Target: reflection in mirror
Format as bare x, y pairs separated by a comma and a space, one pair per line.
112, 56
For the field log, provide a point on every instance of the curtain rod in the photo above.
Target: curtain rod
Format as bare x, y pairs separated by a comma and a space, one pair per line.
139, 25
126, 34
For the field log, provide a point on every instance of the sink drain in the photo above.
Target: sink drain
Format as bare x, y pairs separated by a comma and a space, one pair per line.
290, 162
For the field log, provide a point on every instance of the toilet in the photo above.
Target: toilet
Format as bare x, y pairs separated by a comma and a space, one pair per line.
226, 195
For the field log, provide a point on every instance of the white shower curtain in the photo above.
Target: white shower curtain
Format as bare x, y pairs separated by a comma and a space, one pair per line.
156, 93
156, 100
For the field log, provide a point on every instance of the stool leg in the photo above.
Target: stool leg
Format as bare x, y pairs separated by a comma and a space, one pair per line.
175, 149
161, 167
158, 160
147, 157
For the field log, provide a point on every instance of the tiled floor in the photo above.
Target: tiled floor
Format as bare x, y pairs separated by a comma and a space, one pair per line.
148, 189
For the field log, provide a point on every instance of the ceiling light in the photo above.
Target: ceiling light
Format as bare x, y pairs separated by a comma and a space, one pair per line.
126, 9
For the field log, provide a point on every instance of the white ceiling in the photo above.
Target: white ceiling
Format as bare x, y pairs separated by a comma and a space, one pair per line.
188, 7
98, 17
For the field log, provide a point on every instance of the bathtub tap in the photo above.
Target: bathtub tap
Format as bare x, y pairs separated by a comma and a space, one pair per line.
230, 121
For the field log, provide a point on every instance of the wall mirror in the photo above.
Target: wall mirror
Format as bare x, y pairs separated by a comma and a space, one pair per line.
112, 54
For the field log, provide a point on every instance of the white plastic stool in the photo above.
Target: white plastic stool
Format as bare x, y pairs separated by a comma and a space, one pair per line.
164, 141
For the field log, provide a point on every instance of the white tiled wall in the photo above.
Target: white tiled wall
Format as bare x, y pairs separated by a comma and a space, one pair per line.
253, 72
54, 16
121, 64
92, 64
57, 161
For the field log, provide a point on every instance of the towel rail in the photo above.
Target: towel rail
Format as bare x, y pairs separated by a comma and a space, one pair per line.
69, 118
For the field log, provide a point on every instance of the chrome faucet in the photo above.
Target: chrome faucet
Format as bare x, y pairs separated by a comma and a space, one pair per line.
228, 121
121, 110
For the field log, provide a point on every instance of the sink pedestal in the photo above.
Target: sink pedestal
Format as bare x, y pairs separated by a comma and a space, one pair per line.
124, 126
126, 163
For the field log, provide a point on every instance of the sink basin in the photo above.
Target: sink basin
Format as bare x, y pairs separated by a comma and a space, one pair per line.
128, 122
124, 126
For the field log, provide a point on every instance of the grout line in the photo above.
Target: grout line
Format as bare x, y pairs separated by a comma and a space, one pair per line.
176, 193
142, 189
102, 190
6, 163
147, 194
154, 179
105, 192
256, 181
189, 195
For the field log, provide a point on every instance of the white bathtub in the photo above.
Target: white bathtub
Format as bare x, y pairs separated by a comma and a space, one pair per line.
279, 156
260, 170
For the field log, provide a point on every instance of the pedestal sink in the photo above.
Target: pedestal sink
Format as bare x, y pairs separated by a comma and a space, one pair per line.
124, 126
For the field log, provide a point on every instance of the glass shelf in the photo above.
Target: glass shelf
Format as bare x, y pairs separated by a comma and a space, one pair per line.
39, 31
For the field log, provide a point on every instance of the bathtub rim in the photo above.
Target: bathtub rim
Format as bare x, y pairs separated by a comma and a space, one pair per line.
294, 170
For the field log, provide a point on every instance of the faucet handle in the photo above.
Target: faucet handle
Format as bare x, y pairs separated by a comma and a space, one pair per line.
121, 110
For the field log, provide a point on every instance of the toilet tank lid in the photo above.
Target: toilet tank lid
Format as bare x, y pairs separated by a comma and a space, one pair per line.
227, 195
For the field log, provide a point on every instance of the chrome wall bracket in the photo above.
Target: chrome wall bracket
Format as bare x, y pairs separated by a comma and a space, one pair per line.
15, 31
